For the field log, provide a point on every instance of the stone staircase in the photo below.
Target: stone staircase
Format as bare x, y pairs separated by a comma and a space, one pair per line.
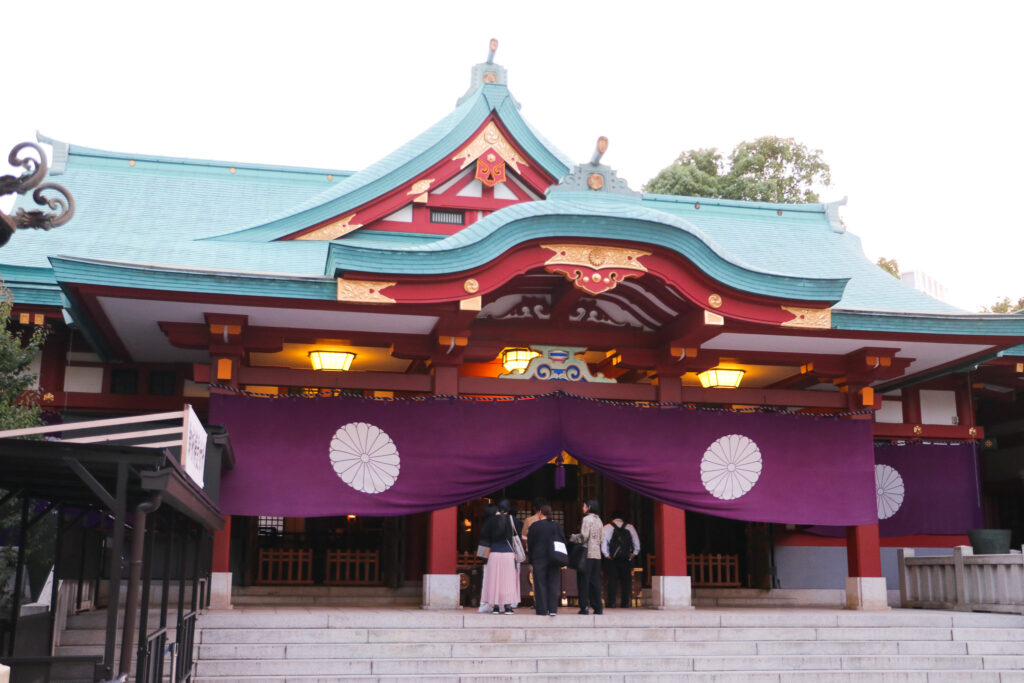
410, 595
716, 644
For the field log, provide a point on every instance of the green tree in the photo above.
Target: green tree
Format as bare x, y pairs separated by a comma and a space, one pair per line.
19, 400
19, 408
889, 265
768, 169
1005, 305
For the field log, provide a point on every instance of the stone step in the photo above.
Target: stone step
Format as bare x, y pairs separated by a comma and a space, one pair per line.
598, 665
687, 676
412, 589
465, 650
335, 600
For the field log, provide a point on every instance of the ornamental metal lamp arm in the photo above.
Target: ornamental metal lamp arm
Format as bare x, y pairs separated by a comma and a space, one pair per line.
51, 195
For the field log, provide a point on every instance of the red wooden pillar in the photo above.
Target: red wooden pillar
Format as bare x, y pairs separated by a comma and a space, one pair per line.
442, 545
863, 551
669, 522
222, 547
911, 399
669, 540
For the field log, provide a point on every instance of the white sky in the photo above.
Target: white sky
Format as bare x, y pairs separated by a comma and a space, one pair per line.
916, 106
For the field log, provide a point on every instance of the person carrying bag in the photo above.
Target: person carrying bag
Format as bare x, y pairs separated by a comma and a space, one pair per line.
547, 552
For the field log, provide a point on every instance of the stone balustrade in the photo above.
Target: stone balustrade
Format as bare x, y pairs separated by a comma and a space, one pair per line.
963, 581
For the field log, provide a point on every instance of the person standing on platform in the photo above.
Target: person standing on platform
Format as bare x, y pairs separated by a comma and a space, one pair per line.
538, 503
546, 572
489, 511
501, 575
588, 579
620, 545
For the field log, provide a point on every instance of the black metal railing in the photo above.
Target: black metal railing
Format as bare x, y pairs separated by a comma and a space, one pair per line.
151, 658
184, 647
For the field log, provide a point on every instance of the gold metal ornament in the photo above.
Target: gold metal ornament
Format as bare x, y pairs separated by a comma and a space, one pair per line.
814, 318
333, 231
490, 138
595, 181
715, 301
363, 291
594, 268
918, 430
471, 286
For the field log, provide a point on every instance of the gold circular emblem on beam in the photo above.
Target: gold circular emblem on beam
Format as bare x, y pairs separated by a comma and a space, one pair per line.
918, 430
471, 286
490, 77
715, 301
595, 181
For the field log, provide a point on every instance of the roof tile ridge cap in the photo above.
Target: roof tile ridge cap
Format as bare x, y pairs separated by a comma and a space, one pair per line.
81, 150
355, 181
809, 207
163, 267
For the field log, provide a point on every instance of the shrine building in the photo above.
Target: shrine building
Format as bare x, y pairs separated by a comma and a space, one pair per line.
477, 316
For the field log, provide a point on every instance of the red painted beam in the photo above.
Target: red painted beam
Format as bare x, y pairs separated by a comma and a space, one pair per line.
907, 431
290, 377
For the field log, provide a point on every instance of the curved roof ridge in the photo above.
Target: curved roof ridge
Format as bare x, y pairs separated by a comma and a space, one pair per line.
819, 207
80, 150
404, 163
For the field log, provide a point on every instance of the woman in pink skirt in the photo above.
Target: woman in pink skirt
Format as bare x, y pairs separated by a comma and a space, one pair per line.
501, 577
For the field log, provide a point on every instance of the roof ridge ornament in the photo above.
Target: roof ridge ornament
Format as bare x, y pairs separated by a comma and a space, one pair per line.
486, 73
594, 176
832, 212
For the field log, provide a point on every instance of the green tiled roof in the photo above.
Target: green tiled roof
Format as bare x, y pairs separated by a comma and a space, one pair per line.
190, 225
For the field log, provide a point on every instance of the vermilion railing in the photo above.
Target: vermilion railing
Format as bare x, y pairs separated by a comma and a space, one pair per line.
353, 568
280, 566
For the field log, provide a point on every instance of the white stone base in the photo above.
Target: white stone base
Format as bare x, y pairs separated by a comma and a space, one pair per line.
220, 590
5, 673
441, 591
866, 593
671, 592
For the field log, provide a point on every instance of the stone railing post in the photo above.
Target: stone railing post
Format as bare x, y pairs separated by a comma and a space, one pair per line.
904, 573
959, 577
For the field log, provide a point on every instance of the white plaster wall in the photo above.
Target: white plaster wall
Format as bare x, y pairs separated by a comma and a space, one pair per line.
938, 407
891, 412
86, 380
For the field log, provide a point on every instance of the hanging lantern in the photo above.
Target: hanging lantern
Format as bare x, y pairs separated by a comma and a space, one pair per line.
516, 359
720, 378
331, 360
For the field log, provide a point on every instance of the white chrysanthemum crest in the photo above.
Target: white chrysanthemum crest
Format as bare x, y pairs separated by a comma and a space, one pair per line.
730, 467
888, 490
365, 457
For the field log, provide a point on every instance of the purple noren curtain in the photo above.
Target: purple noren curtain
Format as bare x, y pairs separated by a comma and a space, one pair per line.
315, 457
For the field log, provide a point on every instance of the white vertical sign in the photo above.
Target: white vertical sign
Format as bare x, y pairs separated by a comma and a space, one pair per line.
193, 446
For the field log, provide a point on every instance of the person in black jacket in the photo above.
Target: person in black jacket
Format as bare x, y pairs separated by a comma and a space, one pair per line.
546, 572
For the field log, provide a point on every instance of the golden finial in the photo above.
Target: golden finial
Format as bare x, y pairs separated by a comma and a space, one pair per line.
494, 48
602, 147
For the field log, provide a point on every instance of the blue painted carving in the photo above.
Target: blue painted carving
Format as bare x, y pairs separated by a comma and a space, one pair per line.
558, 363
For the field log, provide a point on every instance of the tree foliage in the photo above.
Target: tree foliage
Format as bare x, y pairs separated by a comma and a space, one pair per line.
1005, 305
19, 400
19, 408
768, 169
889, 265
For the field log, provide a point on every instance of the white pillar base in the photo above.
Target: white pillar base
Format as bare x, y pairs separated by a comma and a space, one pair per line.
441, 591
220, 590
866, 593
671, 592
5, 673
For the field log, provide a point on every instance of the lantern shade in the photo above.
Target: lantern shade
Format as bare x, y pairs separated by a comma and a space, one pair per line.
331, 360
516, 359
720, 378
